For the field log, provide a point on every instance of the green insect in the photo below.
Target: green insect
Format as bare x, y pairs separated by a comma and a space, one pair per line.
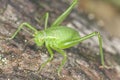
58, 37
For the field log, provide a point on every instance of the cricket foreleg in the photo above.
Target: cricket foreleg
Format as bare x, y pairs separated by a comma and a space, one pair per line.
49, 59
63, 61
45, 16
46, 20
21, 26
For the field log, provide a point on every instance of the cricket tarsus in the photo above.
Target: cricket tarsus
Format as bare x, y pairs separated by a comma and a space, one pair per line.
58, 37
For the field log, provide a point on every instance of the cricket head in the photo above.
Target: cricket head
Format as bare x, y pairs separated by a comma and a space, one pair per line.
39, 38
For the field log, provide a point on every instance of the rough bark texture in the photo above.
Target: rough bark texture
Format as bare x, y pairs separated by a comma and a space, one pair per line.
20, 58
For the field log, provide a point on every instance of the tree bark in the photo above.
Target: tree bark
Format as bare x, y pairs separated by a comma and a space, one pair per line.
20, 58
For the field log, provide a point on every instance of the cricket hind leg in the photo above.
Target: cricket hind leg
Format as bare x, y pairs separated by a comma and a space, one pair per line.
87, 37
60, 19
100, 44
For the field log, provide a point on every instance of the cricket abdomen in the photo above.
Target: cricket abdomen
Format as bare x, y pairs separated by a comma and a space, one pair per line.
61, 35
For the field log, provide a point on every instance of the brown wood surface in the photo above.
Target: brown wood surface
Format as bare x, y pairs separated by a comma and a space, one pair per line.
20, 58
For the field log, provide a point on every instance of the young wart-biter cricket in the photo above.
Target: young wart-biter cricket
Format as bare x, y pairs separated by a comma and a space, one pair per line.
58, 37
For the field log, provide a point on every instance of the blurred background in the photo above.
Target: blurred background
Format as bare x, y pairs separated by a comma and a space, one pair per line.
106, 13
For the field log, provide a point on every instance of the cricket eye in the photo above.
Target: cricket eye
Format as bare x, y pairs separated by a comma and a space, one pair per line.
41, 39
